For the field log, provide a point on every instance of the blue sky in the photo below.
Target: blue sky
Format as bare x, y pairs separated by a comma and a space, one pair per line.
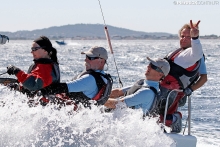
140, 15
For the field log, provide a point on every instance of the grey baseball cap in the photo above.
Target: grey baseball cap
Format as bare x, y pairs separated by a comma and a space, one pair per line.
97, 52
162, 64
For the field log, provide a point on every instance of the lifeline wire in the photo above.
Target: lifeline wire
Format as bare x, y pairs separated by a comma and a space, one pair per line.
109, 43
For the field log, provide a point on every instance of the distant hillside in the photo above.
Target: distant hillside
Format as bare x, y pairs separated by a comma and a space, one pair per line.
82, 31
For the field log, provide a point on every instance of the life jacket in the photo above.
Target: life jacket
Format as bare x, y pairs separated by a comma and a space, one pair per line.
184, 76
56, 68
138, 85
159, 103
74, 98
182, 101
104, 89
56, 71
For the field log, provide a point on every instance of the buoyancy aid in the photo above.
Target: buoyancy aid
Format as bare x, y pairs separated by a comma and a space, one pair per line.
56, 68
138, 85
104, 89
184, 76
180, 79
30, 94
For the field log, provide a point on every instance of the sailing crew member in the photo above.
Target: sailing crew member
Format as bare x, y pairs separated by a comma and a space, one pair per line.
143, 93
92, 84
42, 73
187, 70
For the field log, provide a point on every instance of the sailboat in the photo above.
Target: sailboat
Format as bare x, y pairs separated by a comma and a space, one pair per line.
182, 140
60, 42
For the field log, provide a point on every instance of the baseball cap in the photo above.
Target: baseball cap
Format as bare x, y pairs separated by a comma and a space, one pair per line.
97, 52
162, 64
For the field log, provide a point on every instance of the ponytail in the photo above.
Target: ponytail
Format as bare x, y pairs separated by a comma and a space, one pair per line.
53, 56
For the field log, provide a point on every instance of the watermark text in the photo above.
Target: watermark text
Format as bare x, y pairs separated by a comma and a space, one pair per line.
196, 2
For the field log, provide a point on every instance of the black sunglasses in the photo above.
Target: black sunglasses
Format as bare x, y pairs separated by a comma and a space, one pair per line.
92, 58
35, 48
156, 68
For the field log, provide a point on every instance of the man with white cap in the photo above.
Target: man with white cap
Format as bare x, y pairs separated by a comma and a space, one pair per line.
90, 84
142, 93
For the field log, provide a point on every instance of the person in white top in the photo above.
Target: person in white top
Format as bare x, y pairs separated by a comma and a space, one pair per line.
189, 53
187, 69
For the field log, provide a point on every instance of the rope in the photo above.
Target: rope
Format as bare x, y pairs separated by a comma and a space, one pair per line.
109, 43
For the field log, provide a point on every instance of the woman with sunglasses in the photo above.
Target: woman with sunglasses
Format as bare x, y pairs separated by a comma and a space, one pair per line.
42, 73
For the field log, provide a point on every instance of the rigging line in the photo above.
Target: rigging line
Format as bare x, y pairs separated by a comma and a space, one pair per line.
102, 12
3, 73
109, 43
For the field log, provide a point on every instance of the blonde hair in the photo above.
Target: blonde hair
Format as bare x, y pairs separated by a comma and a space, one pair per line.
185, 26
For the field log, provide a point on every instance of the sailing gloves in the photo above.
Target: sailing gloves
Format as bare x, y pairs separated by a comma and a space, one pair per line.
188, 91
12, 70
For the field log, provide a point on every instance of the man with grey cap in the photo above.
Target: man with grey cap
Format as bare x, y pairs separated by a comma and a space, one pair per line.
142, 93
90, 84
95, 58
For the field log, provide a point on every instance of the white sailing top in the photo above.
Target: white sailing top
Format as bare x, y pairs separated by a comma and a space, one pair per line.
190, 56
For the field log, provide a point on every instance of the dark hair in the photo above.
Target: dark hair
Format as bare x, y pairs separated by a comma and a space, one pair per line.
53, 56
45, 43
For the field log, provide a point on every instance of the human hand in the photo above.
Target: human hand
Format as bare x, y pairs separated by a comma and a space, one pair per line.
188, 91
13, 86
17, 87
194, 31
12, 70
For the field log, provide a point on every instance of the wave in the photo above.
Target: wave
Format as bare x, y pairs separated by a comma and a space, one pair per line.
48, 126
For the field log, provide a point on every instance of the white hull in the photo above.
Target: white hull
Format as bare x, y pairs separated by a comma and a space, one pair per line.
183, 140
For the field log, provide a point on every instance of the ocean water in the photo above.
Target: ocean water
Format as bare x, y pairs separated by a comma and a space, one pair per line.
22, 126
